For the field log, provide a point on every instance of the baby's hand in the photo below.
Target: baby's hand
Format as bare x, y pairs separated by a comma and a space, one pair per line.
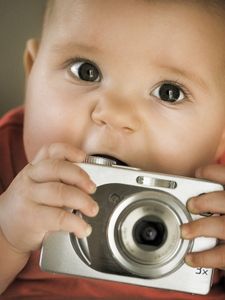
35, 202
213, 226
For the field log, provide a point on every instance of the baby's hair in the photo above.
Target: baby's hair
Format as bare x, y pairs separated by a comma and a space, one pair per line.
215, 6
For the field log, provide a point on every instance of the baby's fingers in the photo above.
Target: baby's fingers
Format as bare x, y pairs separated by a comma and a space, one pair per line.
207, 227
213, 258
60, 151
214, 172
60, 195
213, 202
57, 219
51, 170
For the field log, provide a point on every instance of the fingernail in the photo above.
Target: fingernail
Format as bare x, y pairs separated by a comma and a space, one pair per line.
190, 204
188, 260
88, 230
184, 231
95, 209
91, 187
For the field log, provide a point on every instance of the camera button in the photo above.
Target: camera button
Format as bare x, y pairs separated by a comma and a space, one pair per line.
114, 198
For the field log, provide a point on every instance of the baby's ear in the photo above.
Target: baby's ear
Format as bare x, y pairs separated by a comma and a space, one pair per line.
30, 54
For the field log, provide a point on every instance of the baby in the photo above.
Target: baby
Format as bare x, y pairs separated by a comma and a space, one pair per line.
141, 81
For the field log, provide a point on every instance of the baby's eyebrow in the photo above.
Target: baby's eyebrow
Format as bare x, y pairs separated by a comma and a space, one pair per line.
186, 73
70, 45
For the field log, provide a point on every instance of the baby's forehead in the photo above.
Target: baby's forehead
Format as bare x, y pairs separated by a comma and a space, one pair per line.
59, 13
56, 8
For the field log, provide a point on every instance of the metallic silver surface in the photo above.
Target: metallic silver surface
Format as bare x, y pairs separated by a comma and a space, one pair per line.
148, 261
99, 160
114, 251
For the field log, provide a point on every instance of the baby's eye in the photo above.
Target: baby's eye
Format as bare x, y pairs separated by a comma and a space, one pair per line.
169, 92
85, 70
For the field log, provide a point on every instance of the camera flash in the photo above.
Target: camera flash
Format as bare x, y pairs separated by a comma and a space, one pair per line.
156, 182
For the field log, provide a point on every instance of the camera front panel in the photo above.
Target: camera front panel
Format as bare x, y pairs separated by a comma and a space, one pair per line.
96, 257
137, 232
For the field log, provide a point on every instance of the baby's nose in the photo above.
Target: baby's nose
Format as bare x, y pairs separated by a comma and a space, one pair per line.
120, 114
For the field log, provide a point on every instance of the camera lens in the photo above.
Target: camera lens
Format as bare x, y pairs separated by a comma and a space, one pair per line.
144, 233
149, 233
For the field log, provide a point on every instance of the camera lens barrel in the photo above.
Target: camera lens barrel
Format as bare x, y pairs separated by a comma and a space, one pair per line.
144, 233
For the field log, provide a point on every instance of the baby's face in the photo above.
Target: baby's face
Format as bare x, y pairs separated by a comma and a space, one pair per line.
141, 81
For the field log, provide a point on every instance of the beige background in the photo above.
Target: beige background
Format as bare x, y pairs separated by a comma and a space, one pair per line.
19, 20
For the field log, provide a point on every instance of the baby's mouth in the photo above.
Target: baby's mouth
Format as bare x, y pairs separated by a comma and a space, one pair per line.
116, 160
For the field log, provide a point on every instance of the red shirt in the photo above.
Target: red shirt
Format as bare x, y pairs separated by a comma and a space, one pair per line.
32, 283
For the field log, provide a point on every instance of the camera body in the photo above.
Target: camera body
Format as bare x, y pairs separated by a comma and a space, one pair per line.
136, 235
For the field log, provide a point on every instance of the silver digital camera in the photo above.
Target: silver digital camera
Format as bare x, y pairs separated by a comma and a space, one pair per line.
136, 236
